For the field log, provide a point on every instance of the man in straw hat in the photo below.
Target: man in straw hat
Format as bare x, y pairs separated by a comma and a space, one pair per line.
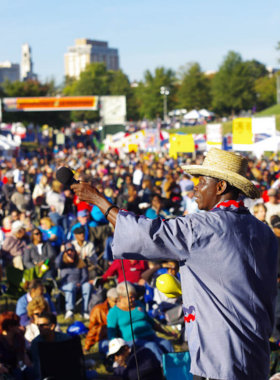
228, 266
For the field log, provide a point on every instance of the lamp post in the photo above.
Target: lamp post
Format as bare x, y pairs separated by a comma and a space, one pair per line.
165, 92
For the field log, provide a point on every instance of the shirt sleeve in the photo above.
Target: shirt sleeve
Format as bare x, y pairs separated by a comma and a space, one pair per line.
139, 238
112, 323
111, 271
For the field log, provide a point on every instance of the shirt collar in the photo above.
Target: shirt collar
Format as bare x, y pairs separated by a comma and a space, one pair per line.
28, 297
231, 206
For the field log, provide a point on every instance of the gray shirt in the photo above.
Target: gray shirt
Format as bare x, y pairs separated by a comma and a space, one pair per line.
228, 267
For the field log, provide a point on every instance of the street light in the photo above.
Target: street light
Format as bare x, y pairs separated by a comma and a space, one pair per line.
164, 91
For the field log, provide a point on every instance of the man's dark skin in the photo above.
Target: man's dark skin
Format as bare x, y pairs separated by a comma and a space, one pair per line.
208, 193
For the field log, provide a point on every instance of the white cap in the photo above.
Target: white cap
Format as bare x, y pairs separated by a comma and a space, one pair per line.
19, 184
17, 225
115, 345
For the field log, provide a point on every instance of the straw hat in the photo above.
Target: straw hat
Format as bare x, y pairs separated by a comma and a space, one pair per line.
225, 166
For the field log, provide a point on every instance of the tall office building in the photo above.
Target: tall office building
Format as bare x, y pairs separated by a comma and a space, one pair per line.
9, 71
26, 63
88, 51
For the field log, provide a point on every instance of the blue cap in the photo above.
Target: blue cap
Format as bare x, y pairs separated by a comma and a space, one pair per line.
77, 328
82, 213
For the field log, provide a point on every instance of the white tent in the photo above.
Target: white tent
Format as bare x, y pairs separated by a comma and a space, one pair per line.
270, 144
206, 113
177, 112
194, 114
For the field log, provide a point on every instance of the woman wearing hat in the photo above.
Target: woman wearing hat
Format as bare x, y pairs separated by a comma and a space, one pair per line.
228, 267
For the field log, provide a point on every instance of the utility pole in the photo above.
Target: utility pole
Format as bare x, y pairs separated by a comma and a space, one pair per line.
278, 88
165, 92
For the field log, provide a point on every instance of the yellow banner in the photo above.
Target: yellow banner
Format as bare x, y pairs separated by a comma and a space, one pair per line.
242, 131
180, 144
132, 148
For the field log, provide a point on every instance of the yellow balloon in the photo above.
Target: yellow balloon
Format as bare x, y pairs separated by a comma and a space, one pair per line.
169, 285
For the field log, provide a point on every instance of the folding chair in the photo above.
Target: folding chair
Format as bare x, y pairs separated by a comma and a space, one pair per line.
176, 365
62, 360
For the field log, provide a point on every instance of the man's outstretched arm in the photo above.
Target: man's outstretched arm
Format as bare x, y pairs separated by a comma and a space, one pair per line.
87, 193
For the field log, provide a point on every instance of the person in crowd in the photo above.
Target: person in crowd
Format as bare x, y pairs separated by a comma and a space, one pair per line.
96, 214
52, 232
147, 190
12, 349
7, 225
35, 307
40, 191
14, 245
157, 209
55, 199
259, 211
46, 323
85, 250
144, 327
189, 203
131, 201
8, 189
21, 199
15, 215
74, 277
35, 289
133, 270
98, 323
125, 363
150, 276
272, 206
137, 176
39, 252
83, 221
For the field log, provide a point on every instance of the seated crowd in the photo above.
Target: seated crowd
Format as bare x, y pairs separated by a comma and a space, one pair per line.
58, 249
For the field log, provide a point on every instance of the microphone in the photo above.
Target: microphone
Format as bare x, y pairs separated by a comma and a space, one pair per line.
66, 176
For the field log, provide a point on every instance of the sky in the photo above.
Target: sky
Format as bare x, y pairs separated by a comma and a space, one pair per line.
148, 33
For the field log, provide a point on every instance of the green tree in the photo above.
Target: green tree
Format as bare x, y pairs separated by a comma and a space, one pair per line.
257, 70
233, 86
120, 85
266, 92
95, 80
148, 92
195, 91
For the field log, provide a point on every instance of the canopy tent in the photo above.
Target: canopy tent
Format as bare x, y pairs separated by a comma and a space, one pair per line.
271, 144
206, 113
177, 112
194, 114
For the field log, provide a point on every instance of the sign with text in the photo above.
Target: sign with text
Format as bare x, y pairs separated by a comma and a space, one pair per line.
265, 125
180, 144
37, 104
214, 136
242, 134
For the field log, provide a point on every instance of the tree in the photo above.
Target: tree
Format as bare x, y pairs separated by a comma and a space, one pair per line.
194, 91
233, 86
95, 80
120, 85
257, 70
148, 92
266, 92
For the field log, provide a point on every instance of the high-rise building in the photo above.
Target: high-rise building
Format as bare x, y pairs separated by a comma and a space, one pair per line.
9, 71
26, 63
88, 51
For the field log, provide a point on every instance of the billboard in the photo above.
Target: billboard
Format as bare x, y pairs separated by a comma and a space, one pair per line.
113, 110
214, 136
65, 103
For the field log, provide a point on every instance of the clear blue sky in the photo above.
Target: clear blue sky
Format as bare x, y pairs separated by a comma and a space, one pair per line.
148, 33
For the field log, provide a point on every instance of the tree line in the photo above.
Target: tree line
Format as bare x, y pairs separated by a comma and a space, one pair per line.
237, 85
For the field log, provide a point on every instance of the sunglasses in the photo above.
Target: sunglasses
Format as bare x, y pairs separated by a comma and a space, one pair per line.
37, 233
42, 325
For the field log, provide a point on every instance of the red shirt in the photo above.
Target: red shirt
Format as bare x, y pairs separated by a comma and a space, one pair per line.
133, 270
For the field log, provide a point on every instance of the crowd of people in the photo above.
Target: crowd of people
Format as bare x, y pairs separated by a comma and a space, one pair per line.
63, 248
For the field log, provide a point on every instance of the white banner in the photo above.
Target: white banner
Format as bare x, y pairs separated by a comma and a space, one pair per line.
264, 125
214, 136
113, 110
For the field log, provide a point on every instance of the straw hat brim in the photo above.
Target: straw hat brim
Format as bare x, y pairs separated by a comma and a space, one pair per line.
234, 179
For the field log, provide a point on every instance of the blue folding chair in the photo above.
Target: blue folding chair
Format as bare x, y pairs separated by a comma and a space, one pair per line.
177, 365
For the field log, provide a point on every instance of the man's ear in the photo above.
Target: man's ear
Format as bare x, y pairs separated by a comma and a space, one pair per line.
221, 187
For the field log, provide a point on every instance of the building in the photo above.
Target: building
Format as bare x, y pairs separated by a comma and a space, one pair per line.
88, 51
9, 71
26, 64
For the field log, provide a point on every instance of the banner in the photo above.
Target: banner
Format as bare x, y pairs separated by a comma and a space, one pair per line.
242, 134
151, 139
265, 125
214, 136
180, 144
113, 110
66, 103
